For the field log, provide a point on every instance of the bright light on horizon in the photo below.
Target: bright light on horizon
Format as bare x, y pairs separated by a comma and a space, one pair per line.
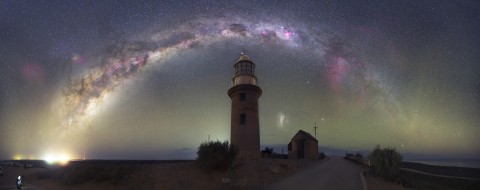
17, 157
57, 158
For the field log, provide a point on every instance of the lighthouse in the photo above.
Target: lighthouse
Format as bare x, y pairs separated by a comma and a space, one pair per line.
244, 93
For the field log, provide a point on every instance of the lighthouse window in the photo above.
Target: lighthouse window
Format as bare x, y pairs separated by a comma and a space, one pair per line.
244, 68
243, 119
249, 70
242, 97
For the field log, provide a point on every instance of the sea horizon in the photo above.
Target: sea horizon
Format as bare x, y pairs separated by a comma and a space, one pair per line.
467, 163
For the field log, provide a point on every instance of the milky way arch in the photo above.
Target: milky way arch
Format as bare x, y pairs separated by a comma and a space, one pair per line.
83, 97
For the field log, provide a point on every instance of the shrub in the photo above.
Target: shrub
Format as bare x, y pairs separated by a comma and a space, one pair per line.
321, 155
385, 162
215, 155
349, 155
359, 155
267, 153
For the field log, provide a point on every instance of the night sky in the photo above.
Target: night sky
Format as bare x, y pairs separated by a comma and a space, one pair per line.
149, 80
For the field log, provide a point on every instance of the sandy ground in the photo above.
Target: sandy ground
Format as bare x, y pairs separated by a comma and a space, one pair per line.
247, 175
7, 181
334, 173
379, 183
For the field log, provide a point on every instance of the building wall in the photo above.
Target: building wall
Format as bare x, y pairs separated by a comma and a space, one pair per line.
245, 137
310, 148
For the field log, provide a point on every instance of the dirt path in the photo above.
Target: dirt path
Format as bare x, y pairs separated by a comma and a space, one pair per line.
336, 173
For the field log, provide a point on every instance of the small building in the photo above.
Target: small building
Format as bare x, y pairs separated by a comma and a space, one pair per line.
303, 146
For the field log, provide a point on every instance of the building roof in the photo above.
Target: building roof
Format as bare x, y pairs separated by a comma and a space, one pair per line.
305, 134
243, 57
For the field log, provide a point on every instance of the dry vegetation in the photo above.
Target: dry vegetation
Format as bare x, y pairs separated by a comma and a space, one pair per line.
183, 175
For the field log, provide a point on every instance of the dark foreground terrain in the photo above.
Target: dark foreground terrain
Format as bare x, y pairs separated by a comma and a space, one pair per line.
153, 174
444, 170
421, 181
183, 174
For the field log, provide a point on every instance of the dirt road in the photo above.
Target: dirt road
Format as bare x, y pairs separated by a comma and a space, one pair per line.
336, 173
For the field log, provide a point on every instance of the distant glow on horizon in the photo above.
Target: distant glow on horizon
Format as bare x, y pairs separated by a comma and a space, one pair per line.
17, 157
57, 158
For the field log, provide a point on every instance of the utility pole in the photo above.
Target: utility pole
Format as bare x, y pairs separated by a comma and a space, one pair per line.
315, 130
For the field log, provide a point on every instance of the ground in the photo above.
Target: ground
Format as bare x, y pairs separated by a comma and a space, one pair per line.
7, 181
330, 173
107, 175
379, 183
336, 173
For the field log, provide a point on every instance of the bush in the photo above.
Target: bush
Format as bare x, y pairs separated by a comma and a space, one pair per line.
267, 153
385, 162
359, 155
349, 155
215, 155
321, 155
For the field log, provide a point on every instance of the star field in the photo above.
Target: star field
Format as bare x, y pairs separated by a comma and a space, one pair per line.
119, 79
